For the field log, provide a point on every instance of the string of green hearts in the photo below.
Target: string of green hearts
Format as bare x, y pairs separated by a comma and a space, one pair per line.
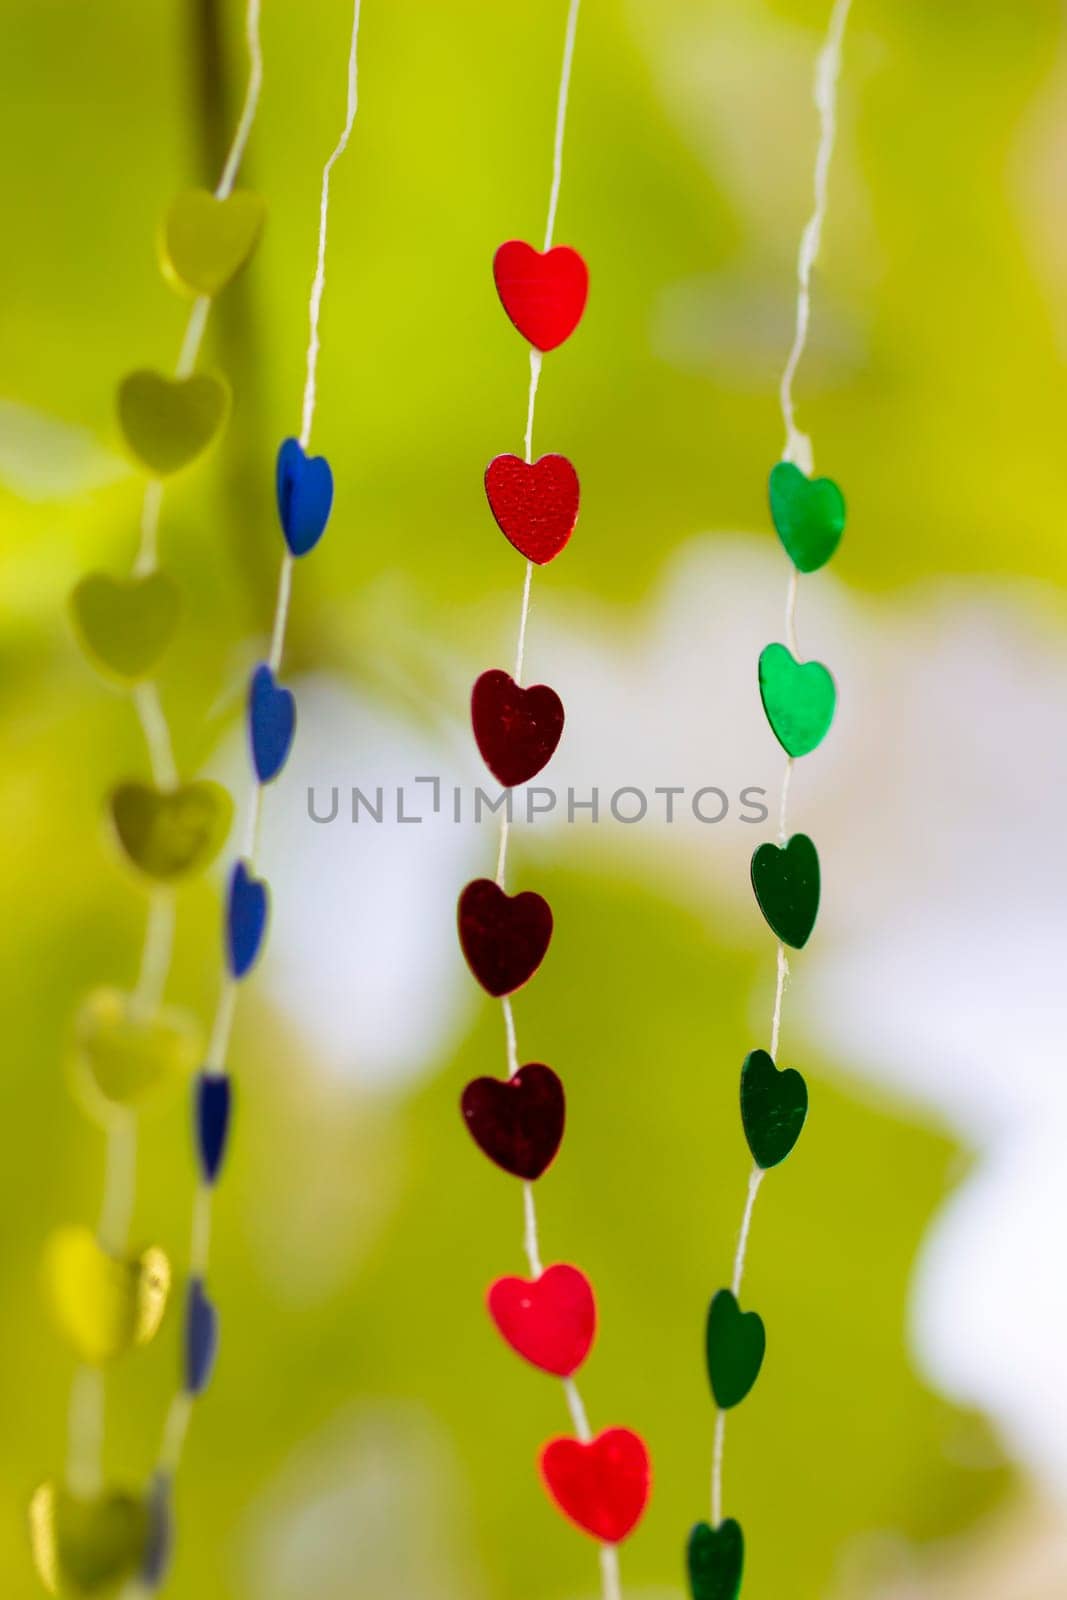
799, 698
128, 1050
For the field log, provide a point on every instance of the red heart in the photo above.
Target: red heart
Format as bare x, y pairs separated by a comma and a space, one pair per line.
517, 730
535, 503
504, 937
518, 1122
550, 1321
544, 294
603, 1486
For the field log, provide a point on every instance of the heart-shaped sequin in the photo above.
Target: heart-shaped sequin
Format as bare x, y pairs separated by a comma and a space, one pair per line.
87, 1545
201, 1337
774, 1106
168, 422
785, 879
205, 241
124, 625
271, 723
124, 1055
602, 1486
715, 1559
550, 1321
169, 833
535, 503
516, 729
518, 1121
305, 496
504, 937
809, 514
213, 1114
246, 919
799, 698
736, 1343
102, 1304
543, 292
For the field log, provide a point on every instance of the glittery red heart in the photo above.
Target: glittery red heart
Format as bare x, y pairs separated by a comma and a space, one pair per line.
517, 1122
544, 293
535, 503
602, 1486
550, 1321
504, 937
517, 730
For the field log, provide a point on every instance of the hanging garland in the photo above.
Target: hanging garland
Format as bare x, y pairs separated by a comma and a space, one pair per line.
601, 1484
799, 699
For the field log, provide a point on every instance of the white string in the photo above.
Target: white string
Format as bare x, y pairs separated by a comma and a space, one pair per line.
251, 103
561, 120
319, 282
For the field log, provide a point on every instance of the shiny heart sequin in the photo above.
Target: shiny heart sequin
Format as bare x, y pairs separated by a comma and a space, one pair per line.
774, 1106
543, 292
535, 503
504, 937
517, 1122
809, 514
736, 1343
124, 1055
602, 1486
169, 833
213, 1114
205, 241
103, 1305
550, 1321
201, 1338
516, 730
715, 1559
246, 920
87, 1546
271, 723
305, 496
124, 625
785, 879
168, 422
799, 698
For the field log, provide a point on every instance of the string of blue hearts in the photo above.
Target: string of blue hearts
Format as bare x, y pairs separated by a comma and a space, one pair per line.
798, 699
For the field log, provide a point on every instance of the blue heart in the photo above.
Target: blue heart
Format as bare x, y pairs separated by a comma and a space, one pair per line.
201, 1338
305, 495
246, 919
214, 1106
271, 723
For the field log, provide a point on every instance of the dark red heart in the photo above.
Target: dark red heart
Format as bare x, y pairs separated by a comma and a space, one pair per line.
517, 730
544, 293
535, 503
517, 1122
549, 1321
504, 937
602, 1486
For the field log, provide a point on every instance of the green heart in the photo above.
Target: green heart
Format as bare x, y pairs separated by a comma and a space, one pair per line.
798, 697
204, 242
122, 1055
125, 624
716, 1560
773, 1108
87, 1547
168, 833
786, 883
809, 514
168, 422
736, 1344
103, 1305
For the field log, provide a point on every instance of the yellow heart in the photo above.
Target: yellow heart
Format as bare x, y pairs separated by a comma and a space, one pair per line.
123, 1055
103, 1305
204, 242
168, 422
87, 1546
125, 624
168, 833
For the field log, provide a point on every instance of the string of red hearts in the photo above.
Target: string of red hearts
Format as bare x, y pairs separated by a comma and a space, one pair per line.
600, 1483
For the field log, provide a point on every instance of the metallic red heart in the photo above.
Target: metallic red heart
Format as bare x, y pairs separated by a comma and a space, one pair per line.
550, 1321
535, 503
517, 730
543, 292
602, 1486
504, 937
517, 1122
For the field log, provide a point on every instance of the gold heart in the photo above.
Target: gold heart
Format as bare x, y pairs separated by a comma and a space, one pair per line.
168, 422
169, 833
204, 242
125, 624
103, 1305
123, 1055
87, 1546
